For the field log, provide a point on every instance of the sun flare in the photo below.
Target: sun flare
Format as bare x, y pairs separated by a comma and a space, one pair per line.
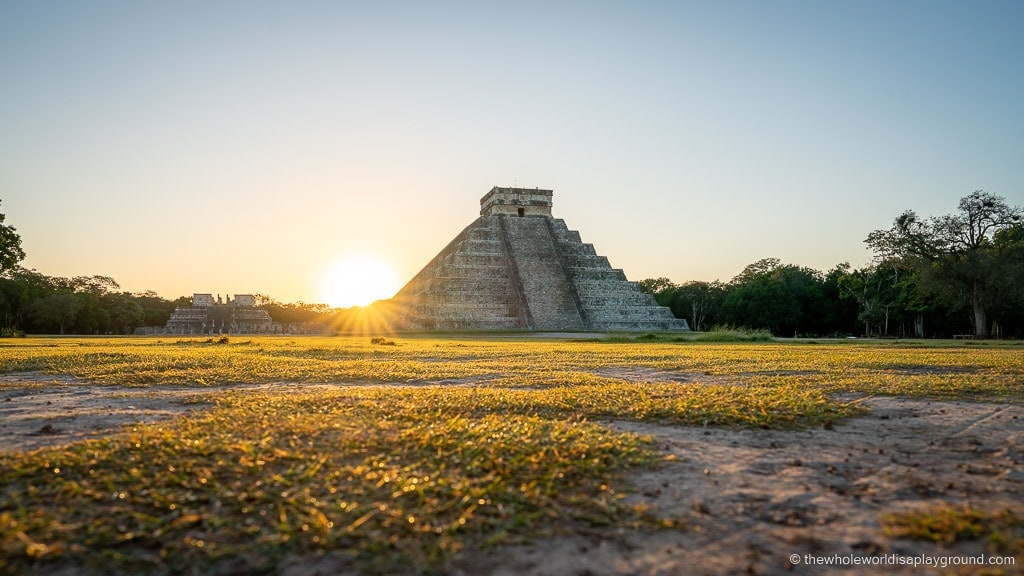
357, 281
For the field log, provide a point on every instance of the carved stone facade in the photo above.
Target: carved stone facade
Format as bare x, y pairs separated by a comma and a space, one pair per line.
209, 316
516, 202
518, 268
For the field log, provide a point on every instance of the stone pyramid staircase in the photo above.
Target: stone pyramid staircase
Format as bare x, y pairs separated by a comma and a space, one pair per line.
517, 271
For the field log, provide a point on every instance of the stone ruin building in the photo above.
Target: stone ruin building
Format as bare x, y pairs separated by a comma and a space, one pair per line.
518, 268
209, 316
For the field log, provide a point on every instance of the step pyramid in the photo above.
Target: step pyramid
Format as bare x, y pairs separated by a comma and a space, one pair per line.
518, 268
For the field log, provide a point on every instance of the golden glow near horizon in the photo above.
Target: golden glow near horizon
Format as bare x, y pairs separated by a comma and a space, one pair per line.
358, 280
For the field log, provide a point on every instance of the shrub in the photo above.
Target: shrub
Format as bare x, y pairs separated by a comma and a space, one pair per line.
729, 334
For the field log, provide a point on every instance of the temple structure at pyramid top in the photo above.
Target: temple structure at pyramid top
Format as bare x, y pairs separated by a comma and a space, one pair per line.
516, 202
516, 267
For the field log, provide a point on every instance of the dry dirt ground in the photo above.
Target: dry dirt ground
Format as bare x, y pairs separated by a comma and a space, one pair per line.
750, 499
745, 501
44, 410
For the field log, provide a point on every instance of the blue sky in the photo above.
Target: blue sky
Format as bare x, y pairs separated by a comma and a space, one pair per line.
248, 146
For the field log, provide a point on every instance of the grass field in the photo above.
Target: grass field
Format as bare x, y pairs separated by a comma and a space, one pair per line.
419, 447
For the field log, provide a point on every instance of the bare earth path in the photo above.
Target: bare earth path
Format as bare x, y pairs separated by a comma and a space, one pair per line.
745, 501
58, 410
749, 499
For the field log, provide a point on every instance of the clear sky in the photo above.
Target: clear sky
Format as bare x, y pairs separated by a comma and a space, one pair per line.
246, 147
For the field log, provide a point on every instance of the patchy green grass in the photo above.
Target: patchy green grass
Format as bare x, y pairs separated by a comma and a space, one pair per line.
726, 334
380, 473
485, 441
946, 524
904, 368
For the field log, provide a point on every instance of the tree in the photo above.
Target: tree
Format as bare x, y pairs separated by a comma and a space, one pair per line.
955, 254
661, 288
10, 247
698, 302
782, 298
91, 317
156, 311
294, 313
841, 314
1009, 301
876, 291
56, 309
19, 289
95, 285
124, 310
751, 272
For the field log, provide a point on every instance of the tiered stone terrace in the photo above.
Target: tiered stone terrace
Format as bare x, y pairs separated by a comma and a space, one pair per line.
518, 268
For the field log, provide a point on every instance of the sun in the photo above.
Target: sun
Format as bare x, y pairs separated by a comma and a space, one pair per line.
358, 280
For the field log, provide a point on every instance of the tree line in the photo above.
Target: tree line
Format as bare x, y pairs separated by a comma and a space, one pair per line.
961, 273
35, 303
32, 302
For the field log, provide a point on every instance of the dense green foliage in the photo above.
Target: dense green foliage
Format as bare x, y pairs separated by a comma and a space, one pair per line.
10, 246
971, 259
956, 274
33, 302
